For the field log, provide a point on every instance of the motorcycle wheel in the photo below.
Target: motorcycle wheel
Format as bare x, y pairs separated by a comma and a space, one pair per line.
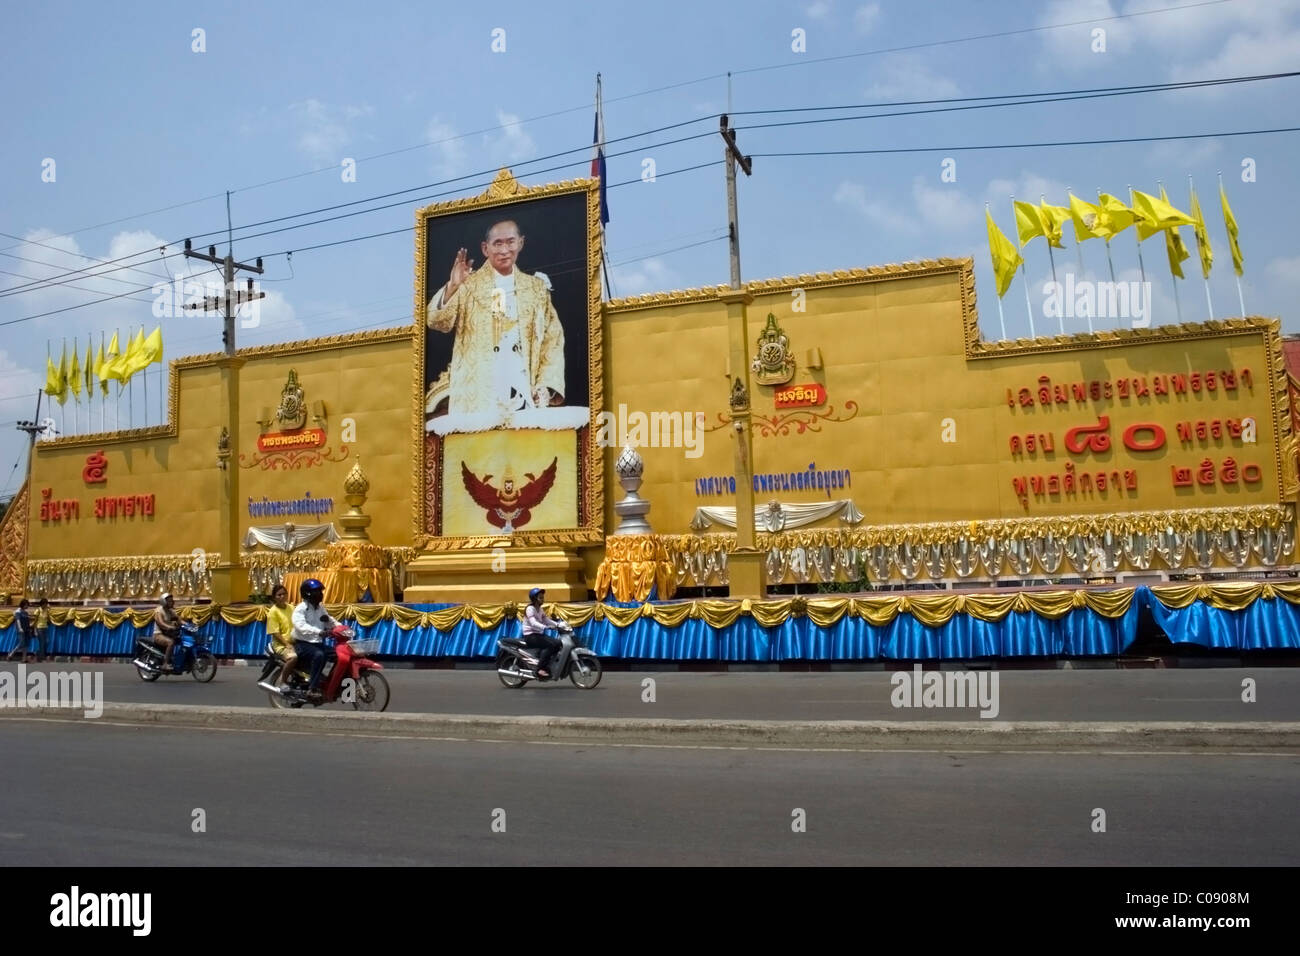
283, 703
204, 668
145, 674
507, 661
585, 672
372, 691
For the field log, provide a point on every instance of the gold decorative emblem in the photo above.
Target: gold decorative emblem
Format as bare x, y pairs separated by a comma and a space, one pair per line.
739, 396
773, 365
223, 448
292, 413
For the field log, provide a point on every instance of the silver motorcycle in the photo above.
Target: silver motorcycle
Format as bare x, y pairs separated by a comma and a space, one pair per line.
517, 664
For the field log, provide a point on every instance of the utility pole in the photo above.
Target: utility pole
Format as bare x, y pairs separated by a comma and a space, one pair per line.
745, 564
229, 577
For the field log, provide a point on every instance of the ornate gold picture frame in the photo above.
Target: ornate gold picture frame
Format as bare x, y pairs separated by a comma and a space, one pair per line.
579, 270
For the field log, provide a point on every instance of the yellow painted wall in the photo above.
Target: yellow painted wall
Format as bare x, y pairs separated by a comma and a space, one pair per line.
897, 347
370, 382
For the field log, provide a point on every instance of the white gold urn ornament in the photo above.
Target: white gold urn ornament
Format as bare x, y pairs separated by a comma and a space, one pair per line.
632, 510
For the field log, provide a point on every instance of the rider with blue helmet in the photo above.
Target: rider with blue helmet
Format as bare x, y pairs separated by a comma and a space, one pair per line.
311, 625
536, 622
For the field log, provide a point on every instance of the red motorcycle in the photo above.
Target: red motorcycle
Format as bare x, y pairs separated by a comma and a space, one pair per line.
350, 675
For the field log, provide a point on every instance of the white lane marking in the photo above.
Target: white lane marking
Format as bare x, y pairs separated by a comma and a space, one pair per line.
598, 743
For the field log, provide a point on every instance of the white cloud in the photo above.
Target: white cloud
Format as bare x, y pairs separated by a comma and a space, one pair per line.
448, 149
819, 10
1284, 270
637, 278
1031, 187
865, 17
1072, 47
937, 209
512, 144
1243, 54
1181, 155
907, 77
324, 131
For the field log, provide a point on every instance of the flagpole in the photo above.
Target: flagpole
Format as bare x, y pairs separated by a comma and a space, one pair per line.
1024, 275
1240, 297
103, 409
1002, 321
1173, 278
117, 411
1110, 262
130, 396
145, 386
1136, 238
1191, 188
1078, 246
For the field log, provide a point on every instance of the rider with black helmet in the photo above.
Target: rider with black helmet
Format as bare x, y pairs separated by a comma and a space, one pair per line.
536, 622
310, 626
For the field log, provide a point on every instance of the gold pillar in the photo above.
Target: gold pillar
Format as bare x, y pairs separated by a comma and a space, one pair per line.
745, 564
230, 577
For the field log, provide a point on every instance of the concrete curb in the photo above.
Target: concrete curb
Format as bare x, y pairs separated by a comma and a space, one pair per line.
861, 735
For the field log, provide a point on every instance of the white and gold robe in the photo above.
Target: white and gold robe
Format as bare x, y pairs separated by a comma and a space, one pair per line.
478, 385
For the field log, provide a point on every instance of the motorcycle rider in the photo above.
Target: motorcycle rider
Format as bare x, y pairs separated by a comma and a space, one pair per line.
536, 622
167, 627
279, 627
311, 625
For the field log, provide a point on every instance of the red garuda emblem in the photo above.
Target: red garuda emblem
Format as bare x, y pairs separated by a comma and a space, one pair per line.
510, 506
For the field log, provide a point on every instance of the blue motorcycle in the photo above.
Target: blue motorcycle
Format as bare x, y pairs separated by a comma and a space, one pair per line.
190, 654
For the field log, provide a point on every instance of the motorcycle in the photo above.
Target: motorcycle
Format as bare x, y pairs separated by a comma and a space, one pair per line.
189, 654
517, 664
349, 675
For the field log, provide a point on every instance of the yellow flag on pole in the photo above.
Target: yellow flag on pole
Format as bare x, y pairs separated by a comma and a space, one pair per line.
89, 371
51, 377
62, 394
74, 374
1054, 217
1230, 221
1118, 216
1155, 214
153, 347
1088, 220
1029, 221
1174, 246
1004, 255
1202, 238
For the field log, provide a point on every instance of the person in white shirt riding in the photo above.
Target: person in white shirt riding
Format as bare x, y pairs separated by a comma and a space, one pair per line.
311, 625
536, 622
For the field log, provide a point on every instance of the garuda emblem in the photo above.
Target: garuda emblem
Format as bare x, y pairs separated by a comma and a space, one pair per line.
292, 413
510, 506
773, 365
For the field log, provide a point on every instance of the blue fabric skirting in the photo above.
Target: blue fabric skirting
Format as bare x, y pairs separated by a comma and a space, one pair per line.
1264, 624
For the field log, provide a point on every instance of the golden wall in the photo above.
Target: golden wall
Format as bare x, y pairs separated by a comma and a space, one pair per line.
921, 422
923, 415
362, 378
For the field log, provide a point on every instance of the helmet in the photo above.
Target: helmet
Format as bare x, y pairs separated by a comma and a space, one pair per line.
167, 596
312, 590
535, 593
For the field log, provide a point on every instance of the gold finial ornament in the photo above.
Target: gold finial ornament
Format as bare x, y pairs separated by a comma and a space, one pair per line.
355, 486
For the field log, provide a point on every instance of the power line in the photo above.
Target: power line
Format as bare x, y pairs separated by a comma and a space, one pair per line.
1077, 142
660, 89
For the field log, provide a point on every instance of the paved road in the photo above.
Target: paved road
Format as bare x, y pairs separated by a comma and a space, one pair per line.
95, 794
1196, 694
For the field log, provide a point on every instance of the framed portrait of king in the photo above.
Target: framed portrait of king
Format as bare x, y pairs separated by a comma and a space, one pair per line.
508, 367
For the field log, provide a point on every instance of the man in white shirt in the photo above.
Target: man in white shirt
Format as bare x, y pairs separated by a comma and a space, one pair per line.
509, 348
311, 625
536, 621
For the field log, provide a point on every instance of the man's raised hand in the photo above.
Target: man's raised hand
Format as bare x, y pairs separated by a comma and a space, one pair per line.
460, 271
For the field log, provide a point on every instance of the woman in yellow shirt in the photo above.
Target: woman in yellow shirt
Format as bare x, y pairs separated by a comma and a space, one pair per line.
279, 627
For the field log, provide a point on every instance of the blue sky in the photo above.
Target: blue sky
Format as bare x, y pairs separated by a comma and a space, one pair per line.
135, 120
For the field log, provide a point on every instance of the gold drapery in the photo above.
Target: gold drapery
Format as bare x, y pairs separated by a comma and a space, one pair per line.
635, 564
931, 610
346, 585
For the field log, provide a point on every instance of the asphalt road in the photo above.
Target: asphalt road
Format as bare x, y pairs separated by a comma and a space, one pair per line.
1195, 694
95, 794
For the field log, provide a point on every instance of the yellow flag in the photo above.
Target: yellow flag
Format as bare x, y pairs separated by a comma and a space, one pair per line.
1029, 221
101, 370
74, 374
1174, 244
51, 377
1004, 255
153, 347
1054, 217
1155, 214
134, 359
1202, 238
1230, 221
89, 371
1118, 216
111, 362
62, 394
1089, 221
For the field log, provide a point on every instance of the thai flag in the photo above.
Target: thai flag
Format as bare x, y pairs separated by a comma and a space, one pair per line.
598, 153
